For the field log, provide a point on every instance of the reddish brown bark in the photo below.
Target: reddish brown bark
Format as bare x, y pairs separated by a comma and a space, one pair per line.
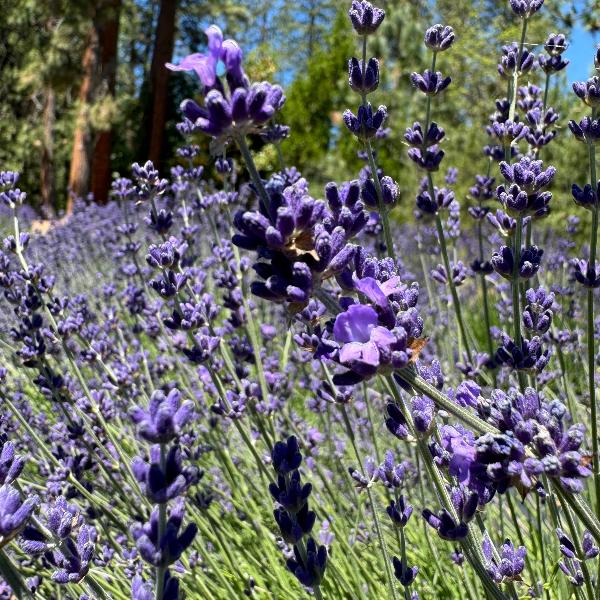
100, 45
101, 158
159, 76
79, 173
47, 178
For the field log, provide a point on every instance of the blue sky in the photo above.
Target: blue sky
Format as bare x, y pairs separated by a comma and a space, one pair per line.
580, 52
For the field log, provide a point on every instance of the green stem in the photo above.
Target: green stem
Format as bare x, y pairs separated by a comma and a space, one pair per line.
12, 576
455, 299
252, 171
378, 530
162, 525
513, 100
591, 350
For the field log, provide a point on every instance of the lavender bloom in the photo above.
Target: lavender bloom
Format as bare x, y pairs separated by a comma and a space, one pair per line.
428, 159
395, 422
590, 550
529, 356
430, 83
442, 198
552, 64
389, 191
165, 417
163, 484
76, 562
512, 561
439, 37
366, 18
556, 44
537, 315
309, 572
14, 512
414, 135
245, 112
586, 197
586, 131
293, 516
528, 174
365, 124
447, 528
165, 550
403, 573
585, 274
11, 464
588, 91
459, 273
205, 65
363, 80
526, 8
529, 262
508, 132
508, 61
364, 340
399, 512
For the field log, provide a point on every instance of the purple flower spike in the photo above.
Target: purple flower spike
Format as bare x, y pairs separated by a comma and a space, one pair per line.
399, 512
447, 528
366, 18
363, 80
588, 91
430, 83
205, 65
403, 573
525, 8
585, 274
14, 512
365, 124
165, 417
439, 37
586, 197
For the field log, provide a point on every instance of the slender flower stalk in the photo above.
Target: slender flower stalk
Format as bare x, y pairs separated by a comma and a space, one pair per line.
591, 346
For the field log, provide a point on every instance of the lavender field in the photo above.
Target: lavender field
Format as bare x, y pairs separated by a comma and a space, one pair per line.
229, 381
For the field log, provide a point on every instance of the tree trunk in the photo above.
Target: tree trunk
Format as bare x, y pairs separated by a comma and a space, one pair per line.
164, 42
108, 41
79, 173
47, 176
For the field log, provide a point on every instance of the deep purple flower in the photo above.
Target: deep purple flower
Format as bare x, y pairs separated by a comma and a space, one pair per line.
556, 44
205, 65
586, 197
165, 417
529, 262
414, 135
585, 274
552, 64
439, 37
588, 91
525, 8
399, 512
445, 525
529, 356
430, 83
537, 314
428, 159
366, 18
508, 61
165, 550
309, 572
403, 573
365, 124
361, 80
587, 130
14, 512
